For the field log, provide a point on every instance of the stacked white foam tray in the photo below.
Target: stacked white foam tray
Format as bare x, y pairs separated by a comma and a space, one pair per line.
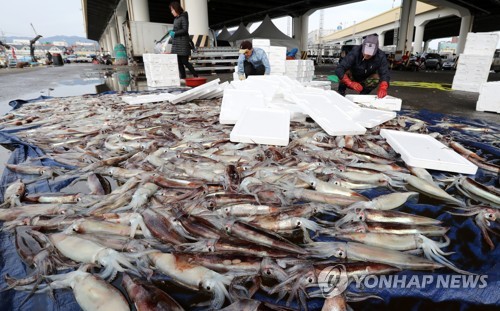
474, 64
300, 69
261, 107
489, 99
161, 70
275, 54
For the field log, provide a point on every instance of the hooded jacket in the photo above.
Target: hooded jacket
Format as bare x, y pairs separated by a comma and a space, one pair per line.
363, 68
180, 42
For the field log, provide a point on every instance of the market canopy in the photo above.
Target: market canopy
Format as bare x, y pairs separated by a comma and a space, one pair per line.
224, 34
240, 33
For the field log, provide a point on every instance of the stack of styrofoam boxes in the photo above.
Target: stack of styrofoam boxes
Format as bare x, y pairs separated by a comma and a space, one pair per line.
277, 59
161, 70
474, 64
300, 70
488, 97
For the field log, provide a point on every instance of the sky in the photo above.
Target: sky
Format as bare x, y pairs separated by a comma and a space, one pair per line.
49, 17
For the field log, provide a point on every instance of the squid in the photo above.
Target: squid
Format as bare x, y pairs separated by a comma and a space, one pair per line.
485, 216
91, 292
195, 277
361, 252
85, 251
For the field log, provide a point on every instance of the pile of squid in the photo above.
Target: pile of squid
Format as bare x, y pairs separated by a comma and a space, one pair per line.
144, 195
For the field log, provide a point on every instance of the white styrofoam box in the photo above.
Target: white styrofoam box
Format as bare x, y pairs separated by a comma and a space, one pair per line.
475, 60
331, 119
195, 91
262, 126
296, 113
466, 87
324, 85
372, 101
163, 82
421, 150
148, 98
489, 99
266, 84
278, 49
261, 42
235, 101
481, 43
277, 68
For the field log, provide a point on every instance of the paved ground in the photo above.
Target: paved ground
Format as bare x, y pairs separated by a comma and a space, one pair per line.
431, 90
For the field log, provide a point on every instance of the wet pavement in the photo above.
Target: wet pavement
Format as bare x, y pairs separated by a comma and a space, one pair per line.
430, 90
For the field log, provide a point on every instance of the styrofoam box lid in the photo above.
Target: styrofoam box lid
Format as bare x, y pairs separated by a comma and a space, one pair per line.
262, 126
235, 101
421, 150
330, 117
148, 98
372, 101
366, 117
195, 91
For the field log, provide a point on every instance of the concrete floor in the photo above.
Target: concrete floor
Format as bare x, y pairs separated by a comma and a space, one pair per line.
432, 91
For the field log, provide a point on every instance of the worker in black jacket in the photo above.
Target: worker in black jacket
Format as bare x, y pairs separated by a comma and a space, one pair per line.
364, 68
181, 41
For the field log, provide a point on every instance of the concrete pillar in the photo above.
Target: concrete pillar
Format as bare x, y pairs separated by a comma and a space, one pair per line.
465, 27
198, 16
407, 20
419, 38
109, 47
120, 20
114, 40
138, 10
426, 45
381, 39
300, 29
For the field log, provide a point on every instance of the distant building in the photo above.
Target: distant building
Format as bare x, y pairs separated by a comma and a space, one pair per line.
21, 41
85, 43
447, 47
60, 43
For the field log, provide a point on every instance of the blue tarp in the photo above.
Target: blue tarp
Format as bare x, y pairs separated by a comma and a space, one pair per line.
471, 253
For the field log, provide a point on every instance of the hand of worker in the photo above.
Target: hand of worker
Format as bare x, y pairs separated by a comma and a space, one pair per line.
242, 77
171, 33
382, 89
351, 84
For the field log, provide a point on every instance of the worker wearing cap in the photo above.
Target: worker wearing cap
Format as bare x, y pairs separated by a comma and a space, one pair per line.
364, 68
252, 61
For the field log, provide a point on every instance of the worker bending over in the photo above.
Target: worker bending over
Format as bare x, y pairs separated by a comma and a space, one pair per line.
364, 68
252, 61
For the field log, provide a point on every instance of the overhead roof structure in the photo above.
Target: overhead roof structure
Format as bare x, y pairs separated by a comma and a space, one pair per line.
224, 34
269, 30
231, 13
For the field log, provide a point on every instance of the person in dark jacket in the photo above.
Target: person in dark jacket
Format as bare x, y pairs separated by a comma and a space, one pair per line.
364, 68
181, 40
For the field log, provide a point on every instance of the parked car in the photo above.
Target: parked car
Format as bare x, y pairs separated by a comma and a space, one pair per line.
70, 59
433, 61
495, 64
449, 64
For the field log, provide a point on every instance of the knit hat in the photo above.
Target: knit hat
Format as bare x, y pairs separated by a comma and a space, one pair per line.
370, 45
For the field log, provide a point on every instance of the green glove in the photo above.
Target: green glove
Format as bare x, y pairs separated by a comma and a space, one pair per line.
333, 78
171, 33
